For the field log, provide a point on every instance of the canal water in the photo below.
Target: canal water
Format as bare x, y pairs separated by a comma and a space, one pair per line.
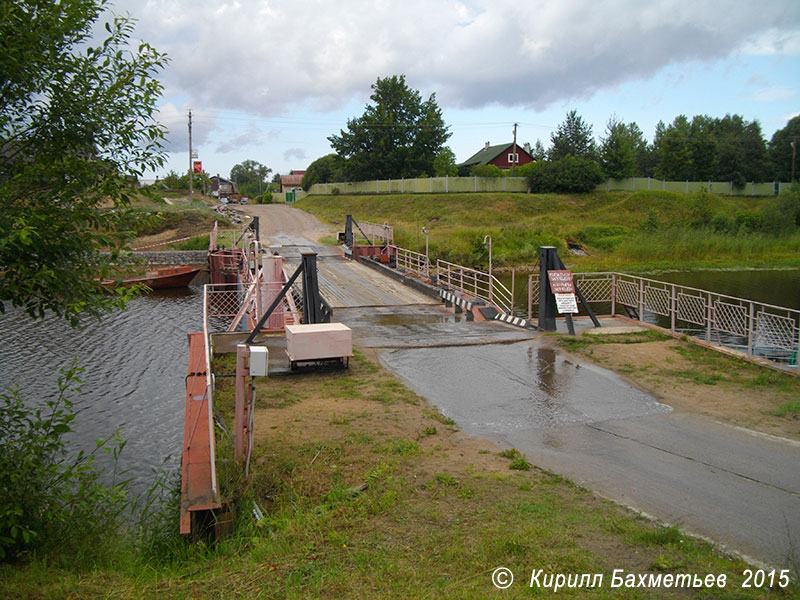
135, 363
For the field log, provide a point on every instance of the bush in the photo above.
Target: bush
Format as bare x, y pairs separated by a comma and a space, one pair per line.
53, 501
198, 242
568, 175
782, 217
486, 171
265, 198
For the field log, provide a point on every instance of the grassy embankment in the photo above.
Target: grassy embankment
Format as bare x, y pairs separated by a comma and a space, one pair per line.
646, 230
177, 219
369, 493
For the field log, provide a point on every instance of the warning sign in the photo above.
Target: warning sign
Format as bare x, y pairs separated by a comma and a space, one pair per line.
566, 303
561, 282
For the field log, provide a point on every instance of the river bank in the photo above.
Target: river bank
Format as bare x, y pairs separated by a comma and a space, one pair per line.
605, 231
370, 492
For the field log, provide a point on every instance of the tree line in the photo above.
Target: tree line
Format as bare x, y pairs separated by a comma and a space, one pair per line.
401, 135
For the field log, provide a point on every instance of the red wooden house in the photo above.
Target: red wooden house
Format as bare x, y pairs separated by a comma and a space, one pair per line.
501, 156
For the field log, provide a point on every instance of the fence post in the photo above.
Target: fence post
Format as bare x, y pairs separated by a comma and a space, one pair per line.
633, 184
474, 183
648, 183
641, 299
446, 184
613, 294
530, 297
673, 307
750, 332
709, 318
513, 275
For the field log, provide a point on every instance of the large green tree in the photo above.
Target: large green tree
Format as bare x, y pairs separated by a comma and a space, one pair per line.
445, 163
250, 177
399, 135
780, 151
573, 137
617, 152
674, 150
76, 129
326, 169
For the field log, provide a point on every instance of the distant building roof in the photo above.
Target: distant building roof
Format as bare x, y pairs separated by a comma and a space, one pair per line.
489, 153
294, 178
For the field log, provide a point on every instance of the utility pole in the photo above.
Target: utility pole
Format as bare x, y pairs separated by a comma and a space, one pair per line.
514, 162
191, 169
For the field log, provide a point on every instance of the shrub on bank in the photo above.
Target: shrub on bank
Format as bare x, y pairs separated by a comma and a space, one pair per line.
53, 502
569, 175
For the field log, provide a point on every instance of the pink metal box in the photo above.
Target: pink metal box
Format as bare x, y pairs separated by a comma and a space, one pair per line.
314, 342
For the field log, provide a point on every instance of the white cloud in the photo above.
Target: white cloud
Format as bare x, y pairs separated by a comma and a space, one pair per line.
294, 153
773, 41
266, 56
773, 94
250, 137
176, 120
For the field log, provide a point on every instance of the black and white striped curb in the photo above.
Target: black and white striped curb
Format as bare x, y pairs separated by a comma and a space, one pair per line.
512, 320
457, 300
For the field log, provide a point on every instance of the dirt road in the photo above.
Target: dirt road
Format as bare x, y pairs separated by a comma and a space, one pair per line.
281, 224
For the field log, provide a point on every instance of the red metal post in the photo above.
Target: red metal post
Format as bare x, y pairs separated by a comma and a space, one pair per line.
241, 419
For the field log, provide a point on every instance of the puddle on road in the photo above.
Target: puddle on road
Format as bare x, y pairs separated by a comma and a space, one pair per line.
521, 386
403, 320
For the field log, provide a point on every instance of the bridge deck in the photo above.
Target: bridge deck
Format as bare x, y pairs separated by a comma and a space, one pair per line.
347, 283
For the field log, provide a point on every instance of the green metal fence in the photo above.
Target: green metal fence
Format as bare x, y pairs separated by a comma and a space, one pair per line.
444, 185
722, 188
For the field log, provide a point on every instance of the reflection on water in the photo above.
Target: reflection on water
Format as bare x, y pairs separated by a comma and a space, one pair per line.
135, 364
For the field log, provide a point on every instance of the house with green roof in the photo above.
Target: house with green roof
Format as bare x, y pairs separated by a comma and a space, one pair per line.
501, 155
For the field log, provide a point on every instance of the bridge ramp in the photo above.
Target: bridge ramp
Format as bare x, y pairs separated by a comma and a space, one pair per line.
348, 283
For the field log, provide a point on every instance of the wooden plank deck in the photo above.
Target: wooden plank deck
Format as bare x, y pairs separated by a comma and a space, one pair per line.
347, 283
196, 489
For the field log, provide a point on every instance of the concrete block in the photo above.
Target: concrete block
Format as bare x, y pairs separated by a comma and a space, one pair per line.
314, 342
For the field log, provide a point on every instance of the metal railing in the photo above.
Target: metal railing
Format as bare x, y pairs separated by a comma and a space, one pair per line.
475, 283
412, 262
209, 399
379, 234
754, 328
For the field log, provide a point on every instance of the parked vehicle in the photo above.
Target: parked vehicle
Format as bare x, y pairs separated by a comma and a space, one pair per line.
244, 200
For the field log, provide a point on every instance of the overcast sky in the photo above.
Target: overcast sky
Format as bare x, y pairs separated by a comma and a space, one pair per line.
270, 80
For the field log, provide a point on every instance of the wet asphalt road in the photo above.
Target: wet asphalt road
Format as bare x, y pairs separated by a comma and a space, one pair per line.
738, 488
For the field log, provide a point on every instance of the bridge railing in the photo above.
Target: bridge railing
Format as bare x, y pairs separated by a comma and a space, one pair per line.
209, 399
478, 284
379, 234
412, 262
754, 328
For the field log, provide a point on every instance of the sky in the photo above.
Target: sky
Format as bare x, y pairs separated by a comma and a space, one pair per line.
270, 80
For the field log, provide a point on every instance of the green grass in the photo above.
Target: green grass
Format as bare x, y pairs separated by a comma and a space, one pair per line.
573, 343
633, 230
788, 410
355, 508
